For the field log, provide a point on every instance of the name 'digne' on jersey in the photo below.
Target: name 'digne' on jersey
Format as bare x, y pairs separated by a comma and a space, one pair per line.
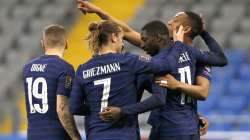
106, 69
38, 67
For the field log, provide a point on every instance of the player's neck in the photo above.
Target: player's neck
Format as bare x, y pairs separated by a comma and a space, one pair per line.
188, 41
106, 50
54, 52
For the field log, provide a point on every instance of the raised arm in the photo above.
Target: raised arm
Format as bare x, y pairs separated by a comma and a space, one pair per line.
214, 57
214, 48
130, 35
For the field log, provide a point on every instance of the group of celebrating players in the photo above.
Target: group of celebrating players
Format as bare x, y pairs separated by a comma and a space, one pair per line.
107, 89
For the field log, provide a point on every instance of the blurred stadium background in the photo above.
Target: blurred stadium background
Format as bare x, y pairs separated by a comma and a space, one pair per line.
22, 22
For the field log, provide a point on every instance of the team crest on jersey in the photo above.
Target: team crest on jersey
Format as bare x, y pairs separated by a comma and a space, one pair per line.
145, 58
68, 82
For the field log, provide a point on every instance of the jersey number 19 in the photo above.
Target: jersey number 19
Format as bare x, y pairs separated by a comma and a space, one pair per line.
34, 92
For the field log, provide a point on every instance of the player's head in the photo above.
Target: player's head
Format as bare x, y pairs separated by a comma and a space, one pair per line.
155, 35
191, 22
105, 35
54, 38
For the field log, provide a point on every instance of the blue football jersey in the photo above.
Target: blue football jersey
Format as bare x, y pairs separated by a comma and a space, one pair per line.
44, 78
110, 80
179, 115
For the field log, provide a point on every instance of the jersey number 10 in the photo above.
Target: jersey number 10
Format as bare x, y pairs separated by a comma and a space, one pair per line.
33, 92
185, 73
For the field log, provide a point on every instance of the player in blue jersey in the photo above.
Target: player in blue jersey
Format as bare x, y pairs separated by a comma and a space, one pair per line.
108, 79
138, 41
47, 84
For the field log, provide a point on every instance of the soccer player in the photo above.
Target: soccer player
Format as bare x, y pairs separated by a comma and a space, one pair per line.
130, 35
109, 79
47, 84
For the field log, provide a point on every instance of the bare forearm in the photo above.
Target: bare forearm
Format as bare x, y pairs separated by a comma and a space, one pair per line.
106, 16
130, 35
193, 91
68, 123
66, 117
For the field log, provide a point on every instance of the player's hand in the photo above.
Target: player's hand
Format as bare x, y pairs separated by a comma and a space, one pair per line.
110, 113
178, 34
167, 81
87, 7
204, 125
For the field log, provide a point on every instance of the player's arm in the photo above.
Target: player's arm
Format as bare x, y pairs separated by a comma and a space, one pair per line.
198, 91
66, 117
144, 64
215, 49
77, 99
64, 86
215, 53
156, 100
143, 82
213, 45
214, 57
130, 35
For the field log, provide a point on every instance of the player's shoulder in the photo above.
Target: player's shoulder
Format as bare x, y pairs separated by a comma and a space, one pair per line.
30, 62
65, 64
80, 67
180, 46
204, 68
204, 71
130, 56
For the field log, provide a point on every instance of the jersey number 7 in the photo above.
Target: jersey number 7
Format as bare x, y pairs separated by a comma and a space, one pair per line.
106, 89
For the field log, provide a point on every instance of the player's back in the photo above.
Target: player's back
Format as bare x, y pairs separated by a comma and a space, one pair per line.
109, 80
42, 82
115, 86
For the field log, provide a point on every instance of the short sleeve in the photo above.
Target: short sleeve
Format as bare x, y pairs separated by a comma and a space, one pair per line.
204, 71
65, 79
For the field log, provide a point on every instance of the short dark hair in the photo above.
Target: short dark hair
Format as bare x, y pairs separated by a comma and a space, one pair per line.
195, 22
54, 35
155, 27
